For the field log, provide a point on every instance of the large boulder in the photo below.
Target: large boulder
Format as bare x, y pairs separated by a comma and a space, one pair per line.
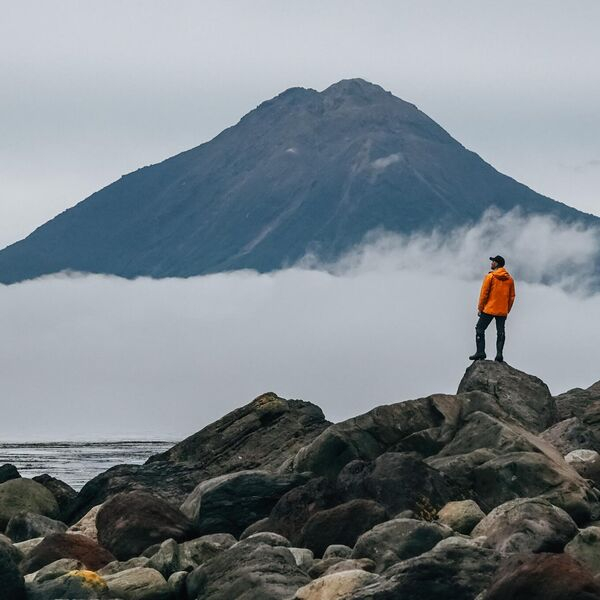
12, 586
139, 583
58, 568
342, 524
129, 523
394, 427
295, 508
576, 402
87, 524
399, 481
394, 541
531, 474
460, 467
461, 515
66, 545
585, 549
527, 525
524, 398
75, 584
65, 495
230, 503
261, 435
172, 482
336, 586
18, 495
586, 463
543, 577
26, 526
456, 569
569, 435
247, 571
8, 472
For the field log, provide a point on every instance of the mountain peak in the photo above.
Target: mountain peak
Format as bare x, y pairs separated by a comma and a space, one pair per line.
355, 86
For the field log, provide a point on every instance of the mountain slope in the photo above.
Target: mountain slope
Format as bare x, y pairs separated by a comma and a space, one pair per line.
305, 171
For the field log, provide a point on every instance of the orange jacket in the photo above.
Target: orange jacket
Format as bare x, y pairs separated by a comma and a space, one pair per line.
497, 293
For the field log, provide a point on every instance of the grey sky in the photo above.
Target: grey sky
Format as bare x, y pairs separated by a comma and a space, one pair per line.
92, 90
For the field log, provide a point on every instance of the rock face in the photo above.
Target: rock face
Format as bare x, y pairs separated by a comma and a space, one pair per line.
8, 472
260, 435
461, 516
523, 397
342, 524
394, 541
543, 577
247, 572
66, 545
18, 495
26, 526
229, 503
527, 525
129, 523
455, 568
12, 586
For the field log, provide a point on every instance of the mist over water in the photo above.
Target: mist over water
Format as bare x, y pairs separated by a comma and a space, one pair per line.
96, 357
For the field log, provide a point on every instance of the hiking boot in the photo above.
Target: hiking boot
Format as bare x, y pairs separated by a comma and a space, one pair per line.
500, 347
480, 344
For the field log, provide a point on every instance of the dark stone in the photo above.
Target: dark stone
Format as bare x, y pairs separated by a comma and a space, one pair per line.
455, 569
65, 495
82, 585
260, 435
26, 526
66, 545
172, 482
128, 523
12, 585
8, 472
575, 402
249, 572
230, 503
399, 481
571, 434
526, 525
342, 524
523, 397
543, 577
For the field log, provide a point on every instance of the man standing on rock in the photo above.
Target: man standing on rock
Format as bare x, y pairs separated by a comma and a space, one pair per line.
495, 301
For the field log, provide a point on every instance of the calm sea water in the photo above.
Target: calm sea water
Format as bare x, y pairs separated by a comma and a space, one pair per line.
76, 462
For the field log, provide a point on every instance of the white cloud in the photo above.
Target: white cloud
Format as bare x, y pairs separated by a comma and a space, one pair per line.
88, 357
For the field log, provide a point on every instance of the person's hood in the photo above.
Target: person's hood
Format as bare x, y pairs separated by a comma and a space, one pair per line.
500, 273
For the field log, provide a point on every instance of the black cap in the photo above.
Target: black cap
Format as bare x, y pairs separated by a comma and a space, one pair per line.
501, 262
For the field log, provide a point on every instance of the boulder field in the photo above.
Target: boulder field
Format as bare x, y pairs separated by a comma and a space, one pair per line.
486, 494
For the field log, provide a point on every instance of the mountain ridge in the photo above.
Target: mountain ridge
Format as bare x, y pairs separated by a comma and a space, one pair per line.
304, 172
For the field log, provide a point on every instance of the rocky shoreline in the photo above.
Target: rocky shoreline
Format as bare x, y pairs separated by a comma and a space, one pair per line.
487, 494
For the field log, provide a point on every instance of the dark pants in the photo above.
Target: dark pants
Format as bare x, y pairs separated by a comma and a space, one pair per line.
482, 325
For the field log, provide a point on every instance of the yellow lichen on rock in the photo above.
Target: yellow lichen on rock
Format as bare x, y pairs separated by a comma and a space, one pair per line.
91, 578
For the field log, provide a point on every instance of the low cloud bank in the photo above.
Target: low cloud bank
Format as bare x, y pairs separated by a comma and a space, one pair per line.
100, 357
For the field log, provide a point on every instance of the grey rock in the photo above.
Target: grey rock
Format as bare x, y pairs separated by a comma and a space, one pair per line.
166, 560
394, 541
12, 585
25, 548
337, 551
230, 503
199, 550
7, 546
247, 572
456, 568
8, 472
532, 474
350, 564
117, 566
461, 515
57, 569
87, 524
269, 538
18, 495
586, 463
527, 525
336, 585
585, 548
81, 585
139, 583
176, 584
64, 494
460, 467
304, 558
569, 435
522, 397
27, 525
